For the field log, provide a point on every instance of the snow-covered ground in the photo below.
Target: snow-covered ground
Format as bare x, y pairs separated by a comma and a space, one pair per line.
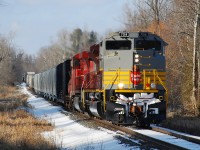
71, 135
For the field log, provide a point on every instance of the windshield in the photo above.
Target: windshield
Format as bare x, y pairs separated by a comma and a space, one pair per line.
147, 44
118, 45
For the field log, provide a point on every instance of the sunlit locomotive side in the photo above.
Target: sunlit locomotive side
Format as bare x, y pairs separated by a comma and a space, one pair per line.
121, 79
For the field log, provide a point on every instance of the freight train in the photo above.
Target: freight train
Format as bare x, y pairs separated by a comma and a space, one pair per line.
122, 79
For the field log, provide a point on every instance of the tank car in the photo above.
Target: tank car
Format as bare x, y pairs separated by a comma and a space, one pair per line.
121, 79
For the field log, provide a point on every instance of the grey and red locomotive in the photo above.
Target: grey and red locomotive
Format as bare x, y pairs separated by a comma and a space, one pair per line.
121, 79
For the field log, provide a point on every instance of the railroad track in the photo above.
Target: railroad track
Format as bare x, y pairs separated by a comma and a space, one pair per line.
158, 143
135, 132
176, 134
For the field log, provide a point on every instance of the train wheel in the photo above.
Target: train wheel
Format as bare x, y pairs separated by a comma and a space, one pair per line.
71, 104
142, 122
138, 122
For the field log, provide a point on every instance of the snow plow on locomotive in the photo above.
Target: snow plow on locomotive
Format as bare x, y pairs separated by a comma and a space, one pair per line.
121, 79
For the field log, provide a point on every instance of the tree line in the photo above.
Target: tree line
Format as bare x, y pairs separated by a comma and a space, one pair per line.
65, 46
14, 62
176, 21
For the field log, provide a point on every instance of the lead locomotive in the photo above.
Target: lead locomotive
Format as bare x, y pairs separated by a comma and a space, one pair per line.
121, 79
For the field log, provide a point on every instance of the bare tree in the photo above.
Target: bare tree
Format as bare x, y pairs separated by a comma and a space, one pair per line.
64, 47
29, 63
63, 41
75, 38
56, 52
5, 60
146, 15
5, 48
196, 52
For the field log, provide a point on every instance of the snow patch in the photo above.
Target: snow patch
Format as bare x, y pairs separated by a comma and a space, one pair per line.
69, 134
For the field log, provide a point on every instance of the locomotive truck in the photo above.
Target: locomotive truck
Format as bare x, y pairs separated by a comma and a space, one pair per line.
121, 79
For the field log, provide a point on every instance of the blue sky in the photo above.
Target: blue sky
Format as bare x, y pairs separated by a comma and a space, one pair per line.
34, 23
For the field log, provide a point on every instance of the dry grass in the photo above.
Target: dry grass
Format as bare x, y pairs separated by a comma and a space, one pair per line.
10, 99
18, 129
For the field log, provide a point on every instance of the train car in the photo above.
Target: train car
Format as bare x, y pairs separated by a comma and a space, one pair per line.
121, 79
53, 83
29, 79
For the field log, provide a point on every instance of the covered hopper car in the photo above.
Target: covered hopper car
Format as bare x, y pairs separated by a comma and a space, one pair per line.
121, 79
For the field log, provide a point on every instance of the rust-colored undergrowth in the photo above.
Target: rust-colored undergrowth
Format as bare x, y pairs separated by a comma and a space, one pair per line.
18, 128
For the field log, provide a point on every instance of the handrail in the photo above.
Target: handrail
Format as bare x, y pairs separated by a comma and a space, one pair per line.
162, 83
155, 75
144, 79
118, 77
104, 89
164, 88
113, 79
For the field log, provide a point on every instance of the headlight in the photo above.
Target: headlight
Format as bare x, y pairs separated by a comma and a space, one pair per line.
137, 60
137, 55
153, 85
121, 85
